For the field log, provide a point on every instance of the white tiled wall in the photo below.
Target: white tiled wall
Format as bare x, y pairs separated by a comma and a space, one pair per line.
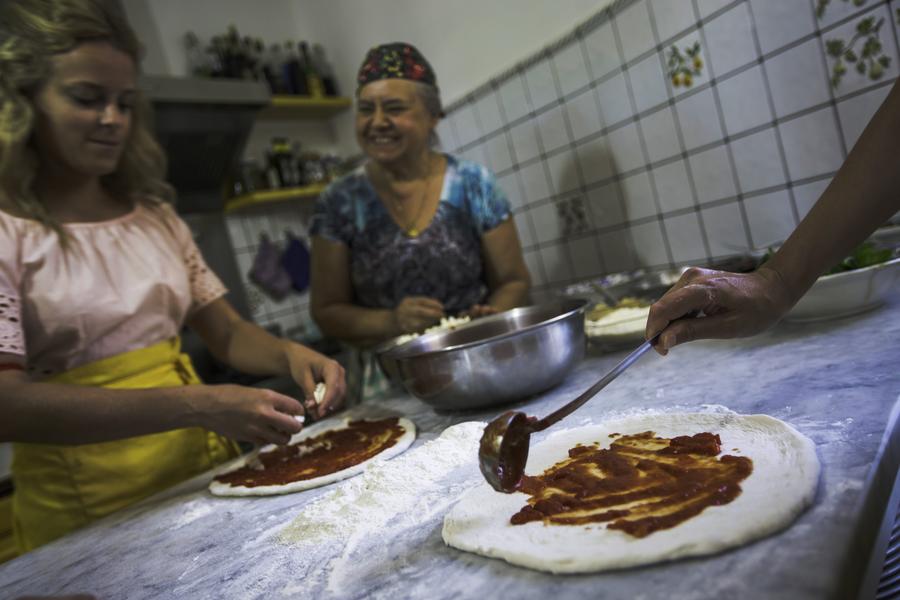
667, 175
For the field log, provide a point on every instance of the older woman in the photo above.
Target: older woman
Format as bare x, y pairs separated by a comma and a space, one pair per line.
413, 235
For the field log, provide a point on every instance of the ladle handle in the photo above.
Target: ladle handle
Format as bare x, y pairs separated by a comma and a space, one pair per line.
587, 395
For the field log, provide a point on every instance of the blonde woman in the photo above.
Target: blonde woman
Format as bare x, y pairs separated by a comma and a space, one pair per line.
97, 276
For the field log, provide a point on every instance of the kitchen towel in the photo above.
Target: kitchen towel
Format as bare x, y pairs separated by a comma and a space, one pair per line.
267, 271
295, 261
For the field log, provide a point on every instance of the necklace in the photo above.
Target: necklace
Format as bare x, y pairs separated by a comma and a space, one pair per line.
410, 228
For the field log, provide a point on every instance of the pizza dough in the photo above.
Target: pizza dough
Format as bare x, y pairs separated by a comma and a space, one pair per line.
782, 484
220, 488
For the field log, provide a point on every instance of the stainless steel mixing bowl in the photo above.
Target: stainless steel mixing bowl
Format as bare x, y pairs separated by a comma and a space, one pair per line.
495, 359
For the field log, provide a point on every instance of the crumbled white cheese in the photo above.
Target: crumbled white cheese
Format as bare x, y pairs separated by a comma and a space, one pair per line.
446, 324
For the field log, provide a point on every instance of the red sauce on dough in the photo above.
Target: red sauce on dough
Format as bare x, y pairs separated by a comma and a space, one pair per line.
320, 455
640, 484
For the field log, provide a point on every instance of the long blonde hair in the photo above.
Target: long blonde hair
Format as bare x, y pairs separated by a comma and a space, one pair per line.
31, 32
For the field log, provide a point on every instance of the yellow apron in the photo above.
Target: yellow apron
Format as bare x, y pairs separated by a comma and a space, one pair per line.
61, 488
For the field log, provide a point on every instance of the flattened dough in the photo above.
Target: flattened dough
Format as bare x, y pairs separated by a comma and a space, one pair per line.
783, 483
224, 489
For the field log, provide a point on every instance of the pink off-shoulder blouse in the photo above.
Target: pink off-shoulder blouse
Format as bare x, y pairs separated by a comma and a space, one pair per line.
122, 285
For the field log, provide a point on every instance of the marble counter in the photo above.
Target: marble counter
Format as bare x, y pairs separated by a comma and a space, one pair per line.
837, 382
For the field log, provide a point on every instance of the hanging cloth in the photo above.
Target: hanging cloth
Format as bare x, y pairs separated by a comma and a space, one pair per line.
267, 271
295, 262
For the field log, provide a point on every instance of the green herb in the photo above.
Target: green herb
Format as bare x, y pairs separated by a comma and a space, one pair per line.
865, 255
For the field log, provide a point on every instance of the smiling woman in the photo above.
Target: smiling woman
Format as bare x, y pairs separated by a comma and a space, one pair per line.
51, 93
98, 276
414, 235
83, 117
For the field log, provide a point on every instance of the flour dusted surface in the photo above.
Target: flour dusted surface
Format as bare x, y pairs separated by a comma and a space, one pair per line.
406, 496
386, 490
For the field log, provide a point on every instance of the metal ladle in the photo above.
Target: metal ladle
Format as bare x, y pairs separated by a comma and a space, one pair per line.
504, 444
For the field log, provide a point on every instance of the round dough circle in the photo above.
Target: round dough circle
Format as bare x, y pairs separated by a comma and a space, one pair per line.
783, 483
226, 489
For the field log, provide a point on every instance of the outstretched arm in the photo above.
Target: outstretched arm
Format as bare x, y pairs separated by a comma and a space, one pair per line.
864, 193
52, 413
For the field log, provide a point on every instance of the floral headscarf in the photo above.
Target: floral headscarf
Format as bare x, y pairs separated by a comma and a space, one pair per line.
397, 60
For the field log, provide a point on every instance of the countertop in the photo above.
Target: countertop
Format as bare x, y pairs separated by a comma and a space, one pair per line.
837, 382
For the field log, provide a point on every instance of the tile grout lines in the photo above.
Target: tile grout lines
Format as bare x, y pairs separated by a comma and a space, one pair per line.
679, 133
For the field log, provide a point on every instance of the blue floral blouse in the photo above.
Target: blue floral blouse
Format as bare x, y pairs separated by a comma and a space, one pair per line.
444, 262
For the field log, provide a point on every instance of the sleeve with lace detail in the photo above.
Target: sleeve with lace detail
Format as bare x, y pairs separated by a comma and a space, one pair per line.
205, 284
12, 338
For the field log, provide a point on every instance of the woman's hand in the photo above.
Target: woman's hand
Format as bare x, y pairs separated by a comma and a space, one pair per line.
734, 305
308, 368
415, 313
481, 310
244, 413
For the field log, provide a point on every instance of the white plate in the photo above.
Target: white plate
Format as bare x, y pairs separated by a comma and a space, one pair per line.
848, 293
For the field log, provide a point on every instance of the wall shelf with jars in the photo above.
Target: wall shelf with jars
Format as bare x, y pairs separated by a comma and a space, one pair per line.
304, 107
307, 192
288, 173
298, 74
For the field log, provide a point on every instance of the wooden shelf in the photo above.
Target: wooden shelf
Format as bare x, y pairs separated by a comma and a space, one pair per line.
270, 196
305, 107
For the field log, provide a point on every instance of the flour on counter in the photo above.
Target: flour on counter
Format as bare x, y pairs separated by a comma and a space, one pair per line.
190, 512
343, 531
386, 490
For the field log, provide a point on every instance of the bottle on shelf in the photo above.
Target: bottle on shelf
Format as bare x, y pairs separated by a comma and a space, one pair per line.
273, 172
297, 164
295, 81
324, 69
216, 52
282, 157
313, 81
250, 60
245, 179
313, 168
234, 63
274, 65
197, 63
262, 70
272, 179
